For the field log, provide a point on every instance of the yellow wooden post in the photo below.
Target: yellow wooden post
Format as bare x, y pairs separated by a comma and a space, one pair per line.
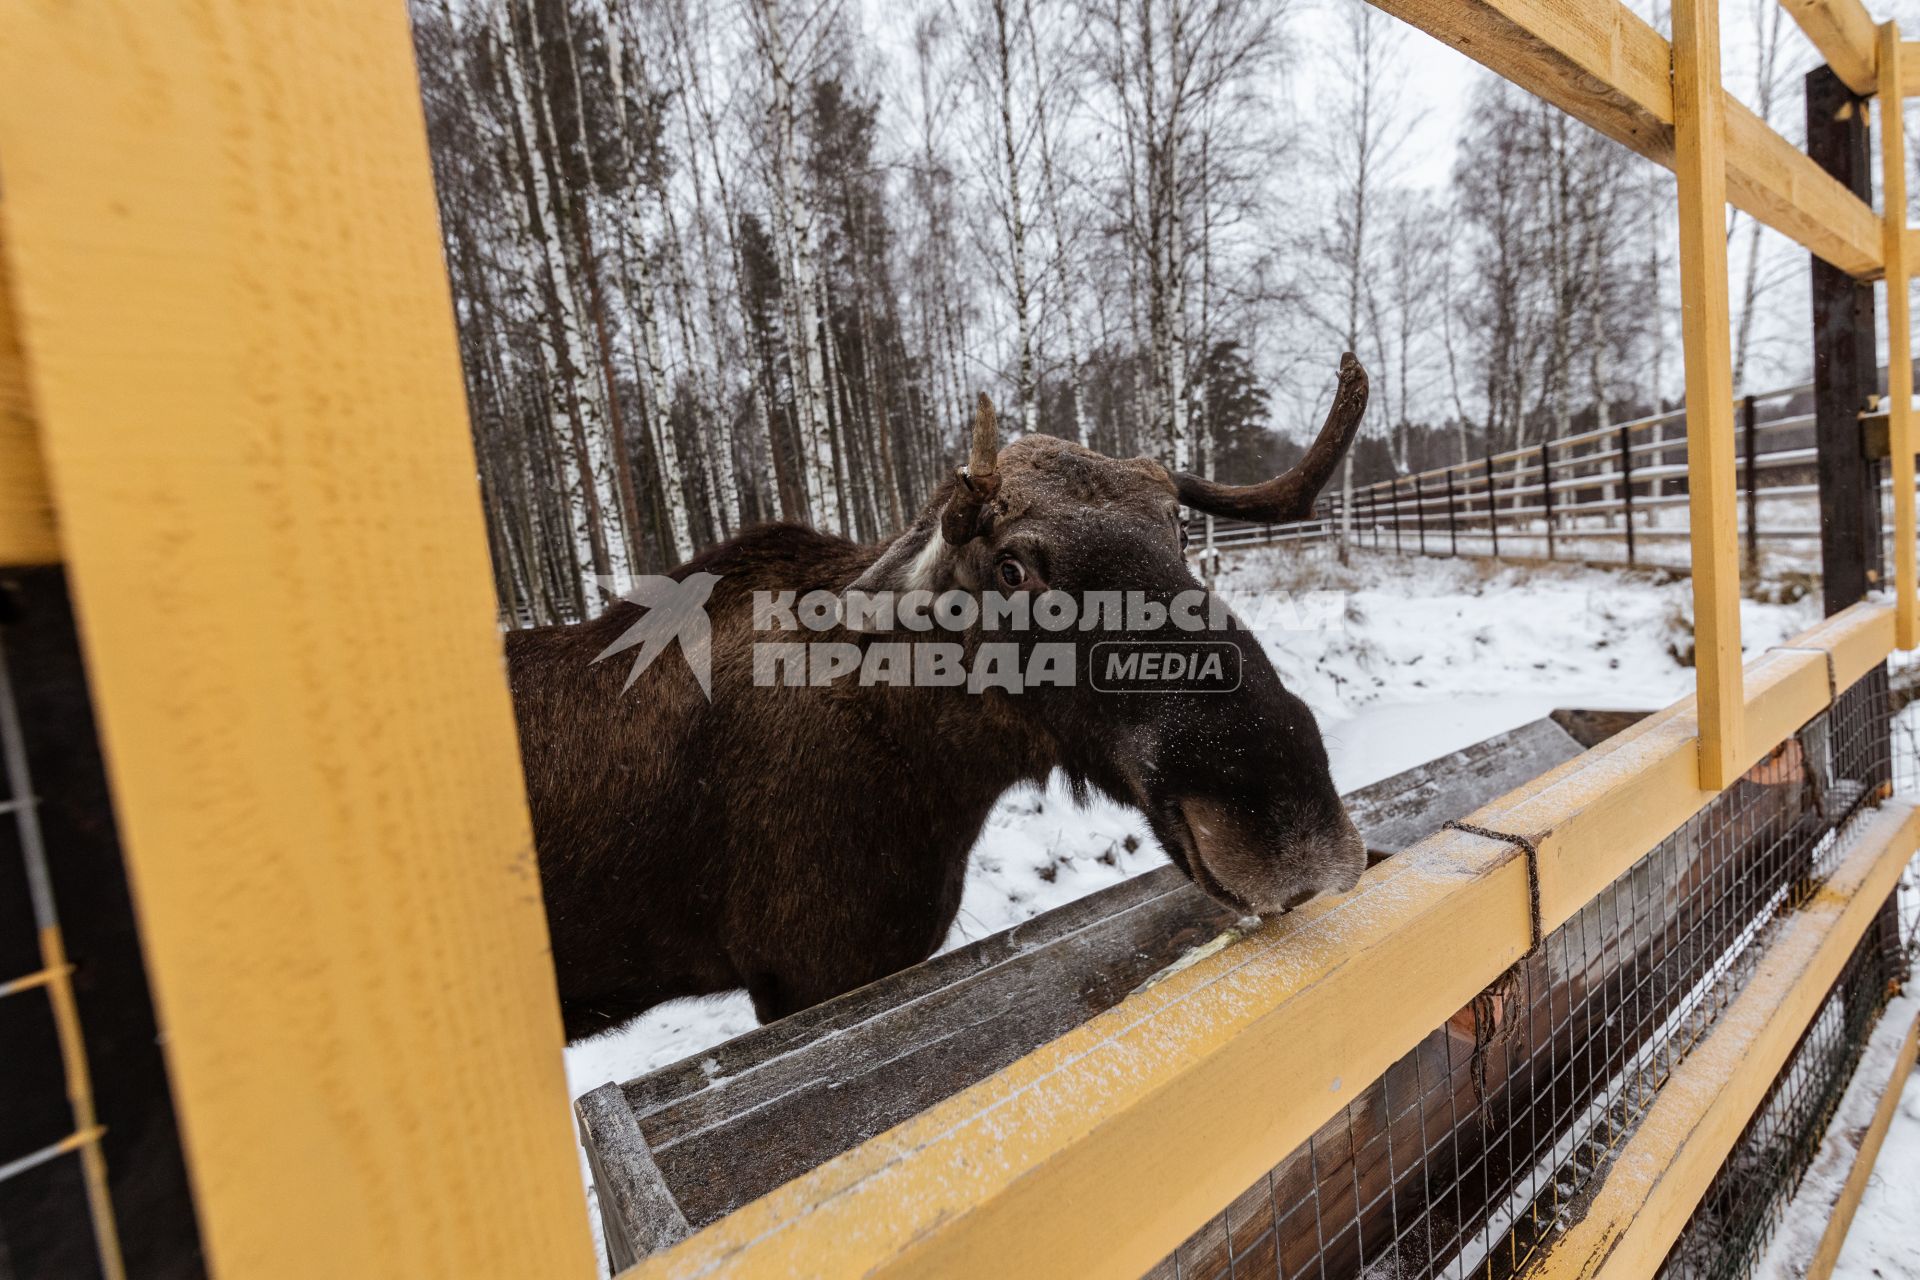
236, 330
1699, 164
1893, 178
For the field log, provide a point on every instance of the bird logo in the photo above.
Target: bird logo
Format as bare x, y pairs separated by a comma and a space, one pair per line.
675, 609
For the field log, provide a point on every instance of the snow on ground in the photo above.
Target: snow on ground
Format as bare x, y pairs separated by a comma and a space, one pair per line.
1882, 1243
1402, 659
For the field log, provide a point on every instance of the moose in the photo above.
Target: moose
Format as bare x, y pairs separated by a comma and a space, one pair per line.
802, 840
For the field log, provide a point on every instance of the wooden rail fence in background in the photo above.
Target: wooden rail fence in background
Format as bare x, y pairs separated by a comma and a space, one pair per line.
1615, 494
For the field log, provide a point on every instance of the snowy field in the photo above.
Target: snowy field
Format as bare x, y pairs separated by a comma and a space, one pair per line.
1402, 659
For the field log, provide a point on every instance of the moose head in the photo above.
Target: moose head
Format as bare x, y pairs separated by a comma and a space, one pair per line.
1234, 781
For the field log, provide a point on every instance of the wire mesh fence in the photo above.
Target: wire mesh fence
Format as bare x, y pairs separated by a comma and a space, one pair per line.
1728, 1233
51, 1172
1465, 1158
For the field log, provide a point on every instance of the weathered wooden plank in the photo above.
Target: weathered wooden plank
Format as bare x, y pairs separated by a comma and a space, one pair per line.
1603, 65
797, 1111
638, 1210
1661, 1172
1845, 366
226, 260
729, 1063
1400, 811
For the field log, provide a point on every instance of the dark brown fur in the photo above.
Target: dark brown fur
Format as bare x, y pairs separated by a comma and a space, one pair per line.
788, 840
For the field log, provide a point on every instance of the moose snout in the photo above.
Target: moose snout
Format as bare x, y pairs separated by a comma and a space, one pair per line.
1271, 868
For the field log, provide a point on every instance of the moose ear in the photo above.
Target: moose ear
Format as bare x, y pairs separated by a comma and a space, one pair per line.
921, 559
926, 557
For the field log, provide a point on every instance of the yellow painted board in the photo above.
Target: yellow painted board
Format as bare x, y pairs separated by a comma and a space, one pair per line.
1097, 1153
1659, 1175
1700, 168
1844, 34
1893, 170
220, 225
1866, 1152
1909, 68
27, 534
1605, 66
1591, 817
1859, 637
1178, 1079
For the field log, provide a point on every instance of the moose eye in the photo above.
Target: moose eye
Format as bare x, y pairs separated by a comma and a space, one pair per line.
1012, 572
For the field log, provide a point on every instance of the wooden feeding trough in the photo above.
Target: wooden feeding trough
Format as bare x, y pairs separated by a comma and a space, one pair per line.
685, 1145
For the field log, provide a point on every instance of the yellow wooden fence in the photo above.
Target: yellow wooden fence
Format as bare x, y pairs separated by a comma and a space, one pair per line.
230, 403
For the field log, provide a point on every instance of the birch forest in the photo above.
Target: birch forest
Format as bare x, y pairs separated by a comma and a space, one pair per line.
747, 260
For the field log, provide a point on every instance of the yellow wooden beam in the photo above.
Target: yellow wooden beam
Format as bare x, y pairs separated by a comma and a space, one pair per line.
1157, 1112
1602, 64
1178, 1080
1909, 68
1844, 34
1700, 167
220, 222
1593, 816
1866, 1152
26, 510
1659, 1175
1893, 197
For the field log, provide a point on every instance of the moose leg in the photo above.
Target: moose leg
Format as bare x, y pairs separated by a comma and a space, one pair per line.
804, 983
770, 1002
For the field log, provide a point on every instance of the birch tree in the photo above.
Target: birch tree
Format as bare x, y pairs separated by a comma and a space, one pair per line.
793, 219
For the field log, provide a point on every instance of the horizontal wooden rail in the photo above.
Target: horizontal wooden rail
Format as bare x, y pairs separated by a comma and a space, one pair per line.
1845, 35
1603, 65
1464, 508
1659, 1176
1177, 1084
